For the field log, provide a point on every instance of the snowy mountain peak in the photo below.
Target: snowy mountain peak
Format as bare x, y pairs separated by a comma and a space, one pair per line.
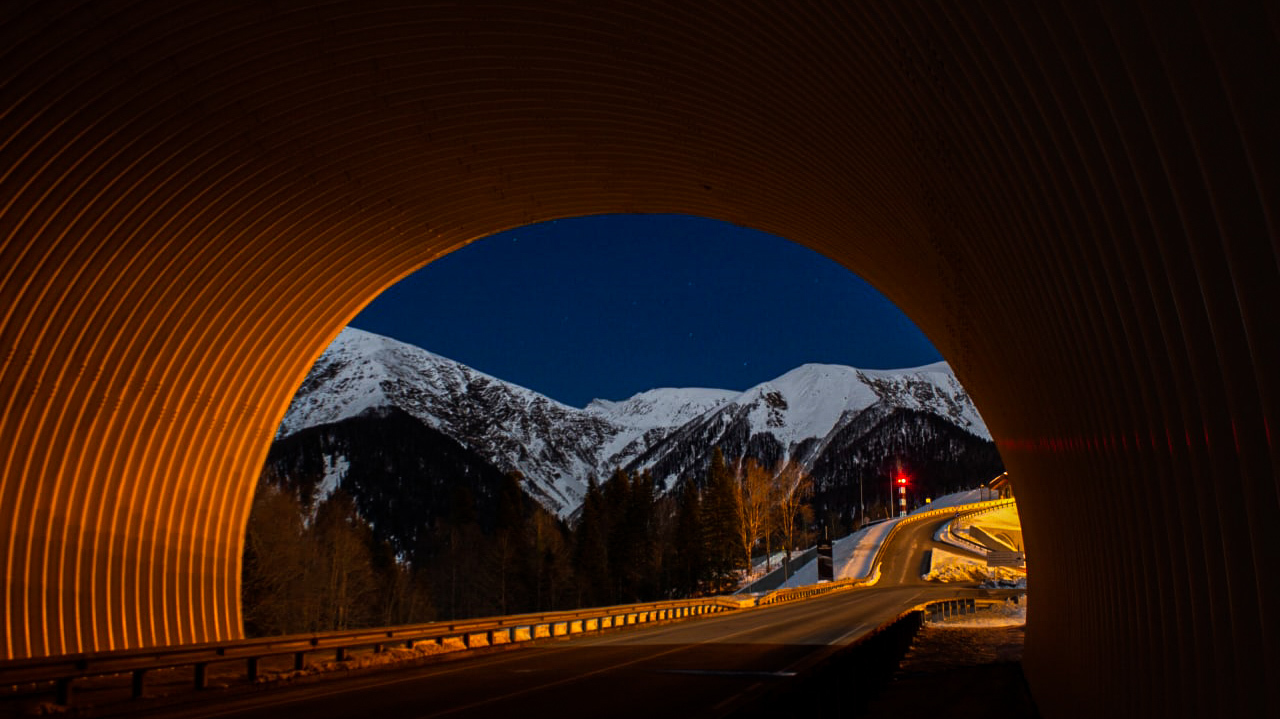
808, 401
553, 445
557, 447
663, 407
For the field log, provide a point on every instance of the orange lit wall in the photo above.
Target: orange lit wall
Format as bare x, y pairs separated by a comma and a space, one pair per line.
1075, 199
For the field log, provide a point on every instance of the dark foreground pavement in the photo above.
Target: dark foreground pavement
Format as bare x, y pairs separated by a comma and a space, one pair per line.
960, 673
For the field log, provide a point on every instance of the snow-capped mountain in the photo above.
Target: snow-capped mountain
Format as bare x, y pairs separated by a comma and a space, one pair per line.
553, 445
668, 431
648, 418
666, 407
797, 416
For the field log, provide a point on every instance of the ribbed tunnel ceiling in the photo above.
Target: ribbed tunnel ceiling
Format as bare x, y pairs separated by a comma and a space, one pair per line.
1074, 200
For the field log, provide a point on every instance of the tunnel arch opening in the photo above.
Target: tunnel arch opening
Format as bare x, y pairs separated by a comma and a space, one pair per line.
723, 306
1092, 178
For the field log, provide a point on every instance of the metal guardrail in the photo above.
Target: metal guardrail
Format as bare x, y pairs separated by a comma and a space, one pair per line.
786, 595
775, 578
937, 611
64, 670
969, 515
964, 542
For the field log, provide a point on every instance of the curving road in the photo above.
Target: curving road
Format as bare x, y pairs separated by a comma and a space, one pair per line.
709, 666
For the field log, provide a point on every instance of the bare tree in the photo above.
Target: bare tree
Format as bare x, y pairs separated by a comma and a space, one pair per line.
792, 487
754, 491
346, 578
274, 562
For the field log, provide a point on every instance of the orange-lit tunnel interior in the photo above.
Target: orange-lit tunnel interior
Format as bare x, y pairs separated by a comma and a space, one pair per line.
1074, 200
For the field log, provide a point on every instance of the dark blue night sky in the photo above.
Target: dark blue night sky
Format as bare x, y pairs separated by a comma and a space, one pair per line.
611, 305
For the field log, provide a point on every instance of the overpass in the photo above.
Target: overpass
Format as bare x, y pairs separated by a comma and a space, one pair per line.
1074, 200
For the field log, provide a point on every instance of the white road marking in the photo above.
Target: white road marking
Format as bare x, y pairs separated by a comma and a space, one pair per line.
727, 673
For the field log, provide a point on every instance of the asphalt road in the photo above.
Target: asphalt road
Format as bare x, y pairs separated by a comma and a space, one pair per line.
709, 666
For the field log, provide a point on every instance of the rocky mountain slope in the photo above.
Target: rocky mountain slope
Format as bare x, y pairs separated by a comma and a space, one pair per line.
813, 414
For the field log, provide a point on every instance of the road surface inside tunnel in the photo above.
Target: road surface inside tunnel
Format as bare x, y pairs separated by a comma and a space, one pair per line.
709, 666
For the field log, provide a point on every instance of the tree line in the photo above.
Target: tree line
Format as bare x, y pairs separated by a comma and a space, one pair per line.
318, 563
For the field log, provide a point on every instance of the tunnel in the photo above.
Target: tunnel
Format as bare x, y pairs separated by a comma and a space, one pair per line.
1074, 199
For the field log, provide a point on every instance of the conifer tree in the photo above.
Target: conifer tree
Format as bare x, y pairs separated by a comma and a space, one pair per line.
617, 500
510, 544
591, 550
689, 555
721, 511
642, 525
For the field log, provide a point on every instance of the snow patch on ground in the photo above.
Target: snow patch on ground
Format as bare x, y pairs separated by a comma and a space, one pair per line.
945, 566
367, 658
335, 468
851, 556
763, 566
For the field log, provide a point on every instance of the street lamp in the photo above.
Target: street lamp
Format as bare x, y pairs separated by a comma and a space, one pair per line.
862, 505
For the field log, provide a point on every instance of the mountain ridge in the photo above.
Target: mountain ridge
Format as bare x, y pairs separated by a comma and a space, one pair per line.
556, 447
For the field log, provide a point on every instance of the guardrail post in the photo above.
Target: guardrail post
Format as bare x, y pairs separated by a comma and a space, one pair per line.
202, 675
340, 654
62, 691
139, 680
299, 661
252, 669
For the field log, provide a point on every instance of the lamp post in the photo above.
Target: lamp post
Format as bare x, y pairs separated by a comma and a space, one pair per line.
862, 505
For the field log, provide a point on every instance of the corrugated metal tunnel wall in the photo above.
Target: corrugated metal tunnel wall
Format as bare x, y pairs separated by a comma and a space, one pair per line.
1074, 199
